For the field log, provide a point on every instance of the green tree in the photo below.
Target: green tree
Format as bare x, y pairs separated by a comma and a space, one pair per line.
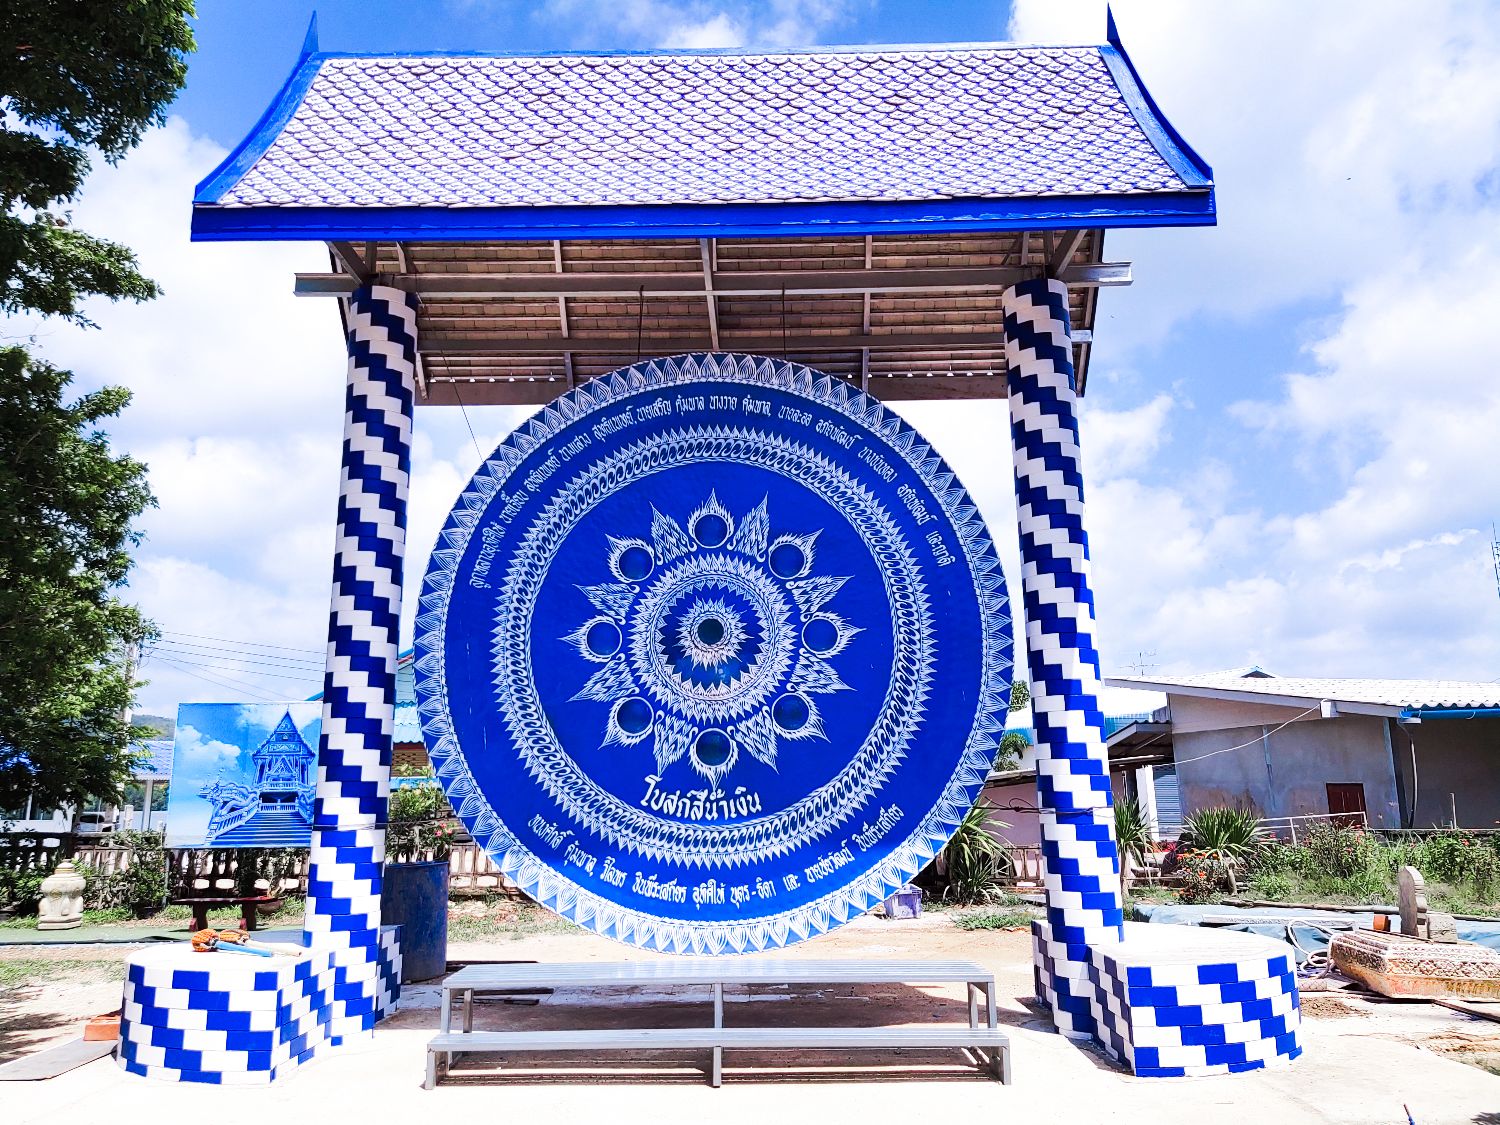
67, 504
76, 78
77, 81
1012, 742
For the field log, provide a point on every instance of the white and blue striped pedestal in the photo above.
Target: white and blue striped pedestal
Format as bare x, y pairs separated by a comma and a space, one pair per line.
1181, 1001
359, 685
1163, 1000
231, 1019
1079, 853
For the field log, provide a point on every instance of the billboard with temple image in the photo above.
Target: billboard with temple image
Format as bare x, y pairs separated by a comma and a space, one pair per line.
243, 775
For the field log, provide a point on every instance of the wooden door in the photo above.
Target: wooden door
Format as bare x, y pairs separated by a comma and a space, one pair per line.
1346, 803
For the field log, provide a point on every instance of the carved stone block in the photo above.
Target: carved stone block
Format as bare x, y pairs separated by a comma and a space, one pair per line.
1398, 965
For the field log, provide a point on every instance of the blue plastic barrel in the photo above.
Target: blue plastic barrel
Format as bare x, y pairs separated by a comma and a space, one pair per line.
414, 896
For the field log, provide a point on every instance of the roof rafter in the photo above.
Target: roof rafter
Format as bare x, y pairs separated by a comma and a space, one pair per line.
715, 282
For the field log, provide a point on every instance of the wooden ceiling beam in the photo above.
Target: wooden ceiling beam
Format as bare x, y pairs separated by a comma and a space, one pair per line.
720, 283
455, 344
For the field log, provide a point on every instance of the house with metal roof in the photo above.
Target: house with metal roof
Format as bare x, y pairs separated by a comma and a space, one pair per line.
1393, 753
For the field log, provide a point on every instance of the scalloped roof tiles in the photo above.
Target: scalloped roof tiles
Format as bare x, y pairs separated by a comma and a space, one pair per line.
1437, 695
866, 125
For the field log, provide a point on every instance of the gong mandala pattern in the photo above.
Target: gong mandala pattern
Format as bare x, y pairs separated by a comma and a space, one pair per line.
714, 637
713, 654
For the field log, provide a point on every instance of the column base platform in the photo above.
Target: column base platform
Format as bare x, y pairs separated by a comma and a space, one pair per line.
1175, 1001
235, 1019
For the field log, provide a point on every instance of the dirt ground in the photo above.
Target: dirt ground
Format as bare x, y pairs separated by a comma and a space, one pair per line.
1364, 1059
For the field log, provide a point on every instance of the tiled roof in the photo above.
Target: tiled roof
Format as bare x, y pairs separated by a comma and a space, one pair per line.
865, 124
1411, 695
159, 762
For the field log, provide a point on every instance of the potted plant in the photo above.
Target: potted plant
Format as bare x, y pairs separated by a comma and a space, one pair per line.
414, 891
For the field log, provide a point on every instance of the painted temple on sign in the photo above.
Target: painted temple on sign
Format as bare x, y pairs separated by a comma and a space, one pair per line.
274, 811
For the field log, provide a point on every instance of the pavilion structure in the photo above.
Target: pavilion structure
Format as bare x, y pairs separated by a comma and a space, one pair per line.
923, 222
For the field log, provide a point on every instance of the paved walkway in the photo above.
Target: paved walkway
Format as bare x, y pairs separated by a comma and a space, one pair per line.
1358, 1066
1341, 1078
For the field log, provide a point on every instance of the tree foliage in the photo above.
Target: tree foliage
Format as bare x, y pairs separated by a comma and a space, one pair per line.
75, 79
1013, 742
67, 505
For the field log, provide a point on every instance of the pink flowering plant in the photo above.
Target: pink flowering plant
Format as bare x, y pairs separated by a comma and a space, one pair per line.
420, 826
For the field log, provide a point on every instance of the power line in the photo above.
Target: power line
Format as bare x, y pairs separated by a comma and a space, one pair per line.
285, 662
238, 685
226, 666
242, 644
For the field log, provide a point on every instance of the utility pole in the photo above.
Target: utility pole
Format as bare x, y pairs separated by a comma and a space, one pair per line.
1495, 556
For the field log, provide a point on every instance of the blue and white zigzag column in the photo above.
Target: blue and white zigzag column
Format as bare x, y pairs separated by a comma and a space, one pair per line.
1073, 792
359, 685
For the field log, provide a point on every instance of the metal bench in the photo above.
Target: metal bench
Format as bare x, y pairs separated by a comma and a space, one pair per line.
990, 1044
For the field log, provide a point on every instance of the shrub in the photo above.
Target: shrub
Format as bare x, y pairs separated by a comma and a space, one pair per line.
1343, 852
21, 890
420, 821
1270, 885
1229, 835
142, 885
1204, 876
1460, 858
1273, 858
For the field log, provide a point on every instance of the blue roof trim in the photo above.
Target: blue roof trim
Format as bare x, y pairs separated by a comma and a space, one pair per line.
268, 128
1193, 169
1420, 713
746, 220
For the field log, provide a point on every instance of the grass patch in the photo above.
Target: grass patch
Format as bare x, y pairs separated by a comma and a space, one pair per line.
19, 972
1013, 919
503, 920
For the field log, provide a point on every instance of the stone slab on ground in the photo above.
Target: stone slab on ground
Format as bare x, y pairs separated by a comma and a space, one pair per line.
1401, 966
54, 1060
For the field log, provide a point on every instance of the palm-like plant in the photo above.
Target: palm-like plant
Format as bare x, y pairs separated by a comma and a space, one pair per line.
1228, 835
1132, 830
973, 856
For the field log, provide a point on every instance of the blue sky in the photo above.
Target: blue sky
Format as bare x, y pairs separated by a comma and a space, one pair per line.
1289, 428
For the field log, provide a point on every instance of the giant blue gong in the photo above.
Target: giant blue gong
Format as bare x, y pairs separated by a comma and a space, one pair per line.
713, 653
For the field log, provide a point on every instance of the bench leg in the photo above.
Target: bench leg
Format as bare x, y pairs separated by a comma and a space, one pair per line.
716, 1079
989, 1002
430, 1081
973, 1005
468, 1011
1000, 1064
447, 1026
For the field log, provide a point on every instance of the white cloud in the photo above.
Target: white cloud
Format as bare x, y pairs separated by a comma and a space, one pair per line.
194, 747
1122, 441
1327, 522
700, 23
1358, 188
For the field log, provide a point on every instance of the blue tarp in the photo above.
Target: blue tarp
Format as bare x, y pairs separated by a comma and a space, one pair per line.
1308, 937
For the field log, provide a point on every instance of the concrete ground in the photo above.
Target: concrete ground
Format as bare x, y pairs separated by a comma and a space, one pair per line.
1362, 1061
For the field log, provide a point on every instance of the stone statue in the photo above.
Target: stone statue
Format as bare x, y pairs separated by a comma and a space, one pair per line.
1413, 901
61, 905
1416, 919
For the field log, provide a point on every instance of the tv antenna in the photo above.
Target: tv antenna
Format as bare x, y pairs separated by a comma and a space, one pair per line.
1146, 660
